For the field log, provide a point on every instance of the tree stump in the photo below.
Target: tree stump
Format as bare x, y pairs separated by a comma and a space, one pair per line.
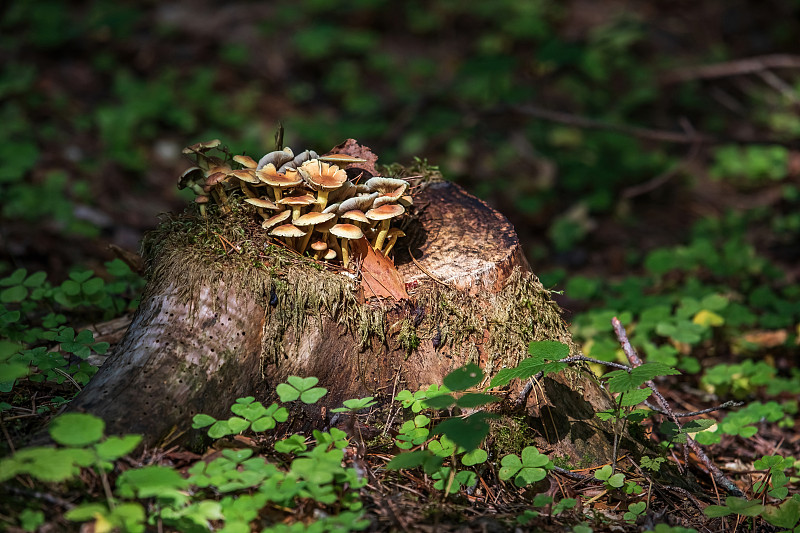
215, 324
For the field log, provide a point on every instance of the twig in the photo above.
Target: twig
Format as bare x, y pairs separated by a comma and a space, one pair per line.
725, 405
716, 473
49, 498
738, 67
648, 134
664, 177
576, 358
425, 270
5, 433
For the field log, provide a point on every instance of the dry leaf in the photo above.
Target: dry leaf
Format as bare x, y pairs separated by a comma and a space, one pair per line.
379, 277
352, 148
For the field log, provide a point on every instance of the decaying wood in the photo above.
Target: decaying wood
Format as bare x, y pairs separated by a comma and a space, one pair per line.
211, 328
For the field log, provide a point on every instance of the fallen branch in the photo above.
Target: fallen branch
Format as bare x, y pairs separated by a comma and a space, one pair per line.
738, 67
630, 353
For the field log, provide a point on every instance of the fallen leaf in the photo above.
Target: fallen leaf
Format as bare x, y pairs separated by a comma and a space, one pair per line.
352, 148
379, 277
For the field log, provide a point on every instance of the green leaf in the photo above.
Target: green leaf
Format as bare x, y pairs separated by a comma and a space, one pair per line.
71, 288
77, 429
624, 381
13, 294
466, 432
287, 393
113, 448
463, 378
17, 277
744, 507
81, 276
312, 396
202, 420
474, 457
551, 350
85, 512
442, 401
35, 279
250, 411
150, 481
635, 397
408, 460
12, 371
475, 399
93, 286
785, 515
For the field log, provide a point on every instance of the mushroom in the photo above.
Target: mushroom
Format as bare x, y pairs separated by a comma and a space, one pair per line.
214, 185
276, 158
289, 232
393, 235
355, 217
297, 203
274, 220
261, 204
386, 185
298, 160
346, 232
341, 159
278, 181
192, 178
330, 255
383, 214
202, 200
319, 247
246, 161
323, 178
245, 176
362, 203
307, 222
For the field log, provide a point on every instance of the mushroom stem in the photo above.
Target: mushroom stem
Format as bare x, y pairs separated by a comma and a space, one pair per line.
305, 240
345, 253
392, 240
247, 191
322, 200
277, 192
378, 244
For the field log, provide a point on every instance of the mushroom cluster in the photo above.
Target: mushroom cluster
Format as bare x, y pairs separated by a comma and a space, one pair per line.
312, 203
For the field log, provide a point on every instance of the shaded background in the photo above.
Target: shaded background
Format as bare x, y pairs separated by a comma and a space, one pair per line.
97, 99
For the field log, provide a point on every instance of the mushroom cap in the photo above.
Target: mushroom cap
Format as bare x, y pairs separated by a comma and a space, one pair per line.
276, 158
287, 230
341, 159
262, 202
347, 190
215, 178
386, 185
406, 200
322, 176
395, 231
326, 226
385, 212
362, 203
274, 220
312, 219
247, 175
298, 160
246, 161
319, 246
191, 174
202, 199
330, 254
356, 215
201, 147
383, 200
347, 231
270, 175
304, 199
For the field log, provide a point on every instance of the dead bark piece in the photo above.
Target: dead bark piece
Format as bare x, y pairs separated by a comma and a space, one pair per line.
213, 327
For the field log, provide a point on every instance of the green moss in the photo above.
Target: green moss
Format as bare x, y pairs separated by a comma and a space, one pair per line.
189, 252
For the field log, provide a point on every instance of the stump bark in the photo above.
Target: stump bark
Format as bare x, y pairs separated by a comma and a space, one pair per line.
214, 326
